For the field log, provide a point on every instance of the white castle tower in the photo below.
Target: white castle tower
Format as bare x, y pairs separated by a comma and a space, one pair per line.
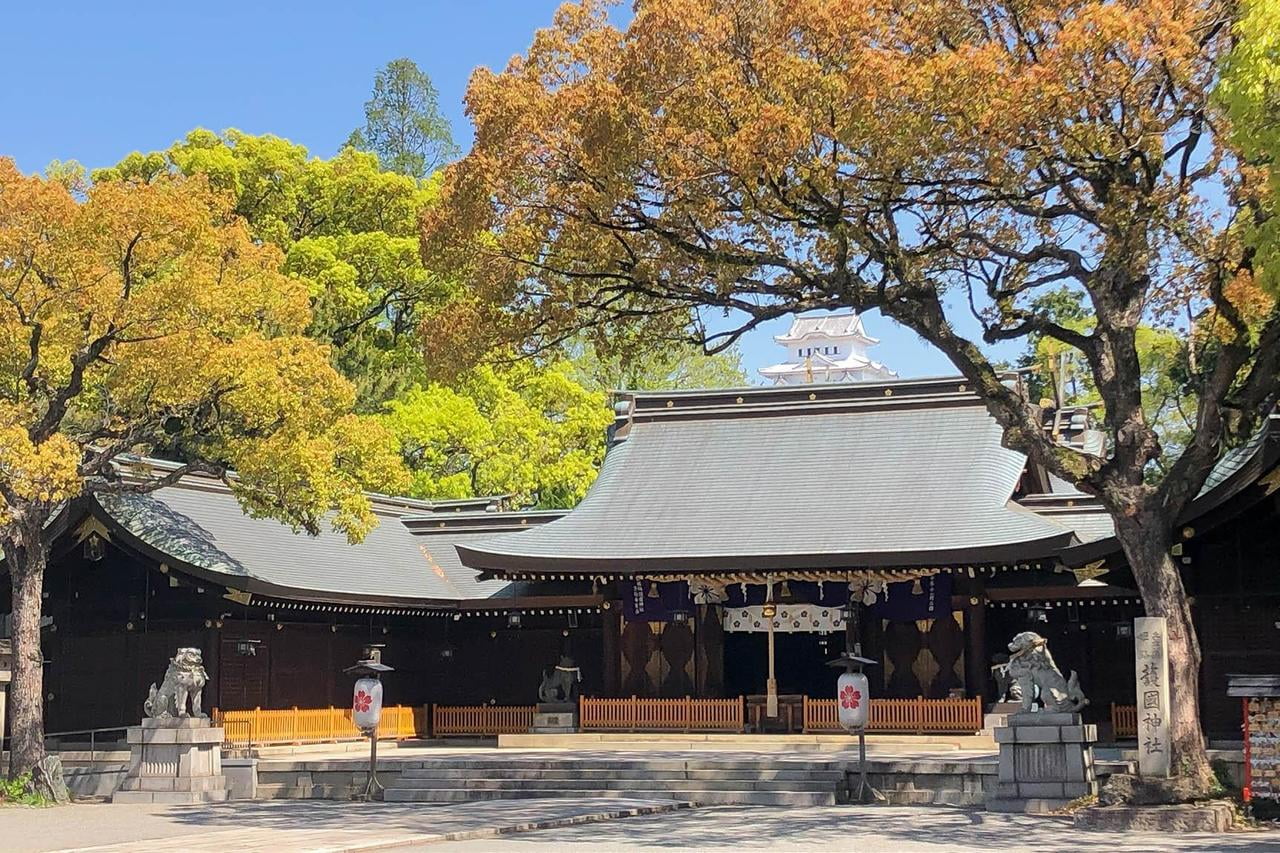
827, 348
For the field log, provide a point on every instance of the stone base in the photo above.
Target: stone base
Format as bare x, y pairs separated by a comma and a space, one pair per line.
1031, 805
173, 760
998, 714
1046, 761
1215, 816
554, 723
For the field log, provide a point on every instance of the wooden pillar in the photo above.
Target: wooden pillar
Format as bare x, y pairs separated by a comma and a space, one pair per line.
611, 638
709, 648
212, 661
977, 669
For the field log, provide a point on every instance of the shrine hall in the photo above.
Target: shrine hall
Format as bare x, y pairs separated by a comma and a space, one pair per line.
732, 543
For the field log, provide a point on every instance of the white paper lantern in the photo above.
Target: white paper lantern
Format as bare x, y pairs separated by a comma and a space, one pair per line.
853, 700
366, 703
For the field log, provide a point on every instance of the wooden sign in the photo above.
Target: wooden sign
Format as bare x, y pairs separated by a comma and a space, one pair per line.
1151, 666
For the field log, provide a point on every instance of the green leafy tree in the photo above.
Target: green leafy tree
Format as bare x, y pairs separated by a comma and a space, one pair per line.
140, 313
528, 431
348, 230
403, 124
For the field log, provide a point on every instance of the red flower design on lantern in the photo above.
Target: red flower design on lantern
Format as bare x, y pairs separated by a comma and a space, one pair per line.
850, 698
362, 702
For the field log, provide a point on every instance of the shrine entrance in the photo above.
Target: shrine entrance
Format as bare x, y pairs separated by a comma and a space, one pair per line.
800, 661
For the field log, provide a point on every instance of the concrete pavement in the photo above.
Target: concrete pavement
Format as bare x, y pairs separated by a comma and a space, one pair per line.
875, 829
309, 825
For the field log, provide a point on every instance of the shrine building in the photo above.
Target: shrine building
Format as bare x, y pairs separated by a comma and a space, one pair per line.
892, 500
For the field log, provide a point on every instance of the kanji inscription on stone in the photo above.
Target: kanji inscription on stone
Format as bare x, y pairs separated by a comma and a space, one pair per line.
1151, 665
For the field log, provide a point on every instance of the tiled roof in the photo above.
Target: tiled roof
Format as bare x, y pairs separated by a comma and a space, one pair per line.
826, 325
798, 477
200, 524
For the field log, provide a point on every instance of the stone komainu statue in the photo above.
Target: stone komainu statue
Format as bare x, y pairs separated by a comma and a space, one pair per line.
561, 683
183, 681
1032, 668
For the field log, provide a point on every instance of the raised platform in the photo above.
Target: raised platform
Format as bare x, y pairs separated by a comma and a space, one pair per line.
739, 742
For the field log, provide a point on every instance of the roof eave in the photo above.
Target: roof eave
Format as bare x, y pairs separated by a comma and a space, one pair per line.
1007, 553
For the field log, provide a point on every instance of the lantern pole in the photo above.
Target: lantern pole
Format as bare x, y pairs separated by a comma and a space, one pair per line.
370, 667
853, 662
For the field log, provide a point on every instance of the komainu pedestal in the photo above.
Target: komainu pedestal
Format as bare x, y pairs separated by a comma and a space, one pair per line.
1046, 761
174, 760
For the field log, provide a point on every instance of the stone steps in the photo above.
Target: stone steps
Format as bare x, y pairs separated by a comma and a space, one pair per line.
702, 781
616, 764
755, 798
625, 773
636, 785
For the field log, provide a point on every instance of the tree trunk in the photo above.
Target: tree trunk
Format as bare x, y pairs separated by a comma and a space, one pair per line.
26, 560
1147, 539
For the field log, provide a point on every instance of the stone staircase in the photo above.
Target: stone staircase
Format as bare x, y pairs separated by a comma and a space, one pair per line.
707, 781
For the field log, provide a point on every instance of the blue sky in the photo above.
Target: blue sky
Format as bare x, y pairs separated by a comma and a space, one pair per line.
92, 81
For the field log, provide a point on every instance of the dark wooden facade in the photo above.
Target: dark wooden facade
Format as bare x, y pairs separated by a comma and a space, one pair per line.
113, 623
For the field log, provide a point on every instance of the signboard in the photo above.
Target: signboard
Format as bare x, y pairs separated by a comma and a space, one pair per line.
1151, 666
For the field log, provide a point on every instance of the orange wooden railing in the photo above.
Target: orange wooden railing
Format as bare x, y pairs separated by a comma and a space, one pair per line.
311, 725
687, 714
917, 715
481, 719
1124, 720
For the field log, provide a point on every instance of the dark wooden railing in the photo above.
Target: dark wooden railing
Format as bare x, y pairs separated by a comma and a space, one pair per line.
918, 716
1124, 720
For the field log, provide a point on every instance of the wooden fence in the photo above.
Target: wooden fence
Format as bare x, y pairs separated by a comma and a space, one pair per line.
312, 725
480, 719
687, 714
1124, 720
918, 715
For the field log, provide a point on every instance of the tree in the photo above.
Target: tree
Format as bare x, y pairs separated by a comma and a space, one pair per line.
347, 227
143, 313
528, 431
768, 157
403, 124
658, 366
1061, 380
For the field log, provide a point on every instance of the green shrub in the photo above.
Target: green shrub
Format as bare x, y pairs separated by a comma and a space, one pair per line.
19, 791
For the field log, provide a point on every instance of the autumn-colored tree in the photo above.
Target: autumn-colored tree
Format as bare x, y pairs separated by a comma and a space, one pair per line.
145, 312
771, 156
658, 365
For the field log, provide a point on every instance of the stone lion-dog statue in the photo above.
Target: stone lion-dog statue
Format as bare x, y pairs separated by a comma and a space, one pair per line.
1032, 668
183, 681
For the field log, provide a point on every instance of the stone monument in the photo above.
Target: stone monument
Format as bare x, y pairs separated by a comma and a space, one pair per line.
557, 709
1151, 672
1046, 756
6, 675
175, 755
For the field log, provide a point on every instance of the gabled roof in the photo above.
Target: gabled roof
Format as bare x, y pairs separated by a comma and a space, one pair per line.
842, 325
907, 473
198, 527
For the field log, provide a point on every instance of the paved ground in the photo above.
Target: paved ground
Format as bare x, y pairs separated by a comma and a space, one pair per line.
247, 827
288, 825
840, 828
